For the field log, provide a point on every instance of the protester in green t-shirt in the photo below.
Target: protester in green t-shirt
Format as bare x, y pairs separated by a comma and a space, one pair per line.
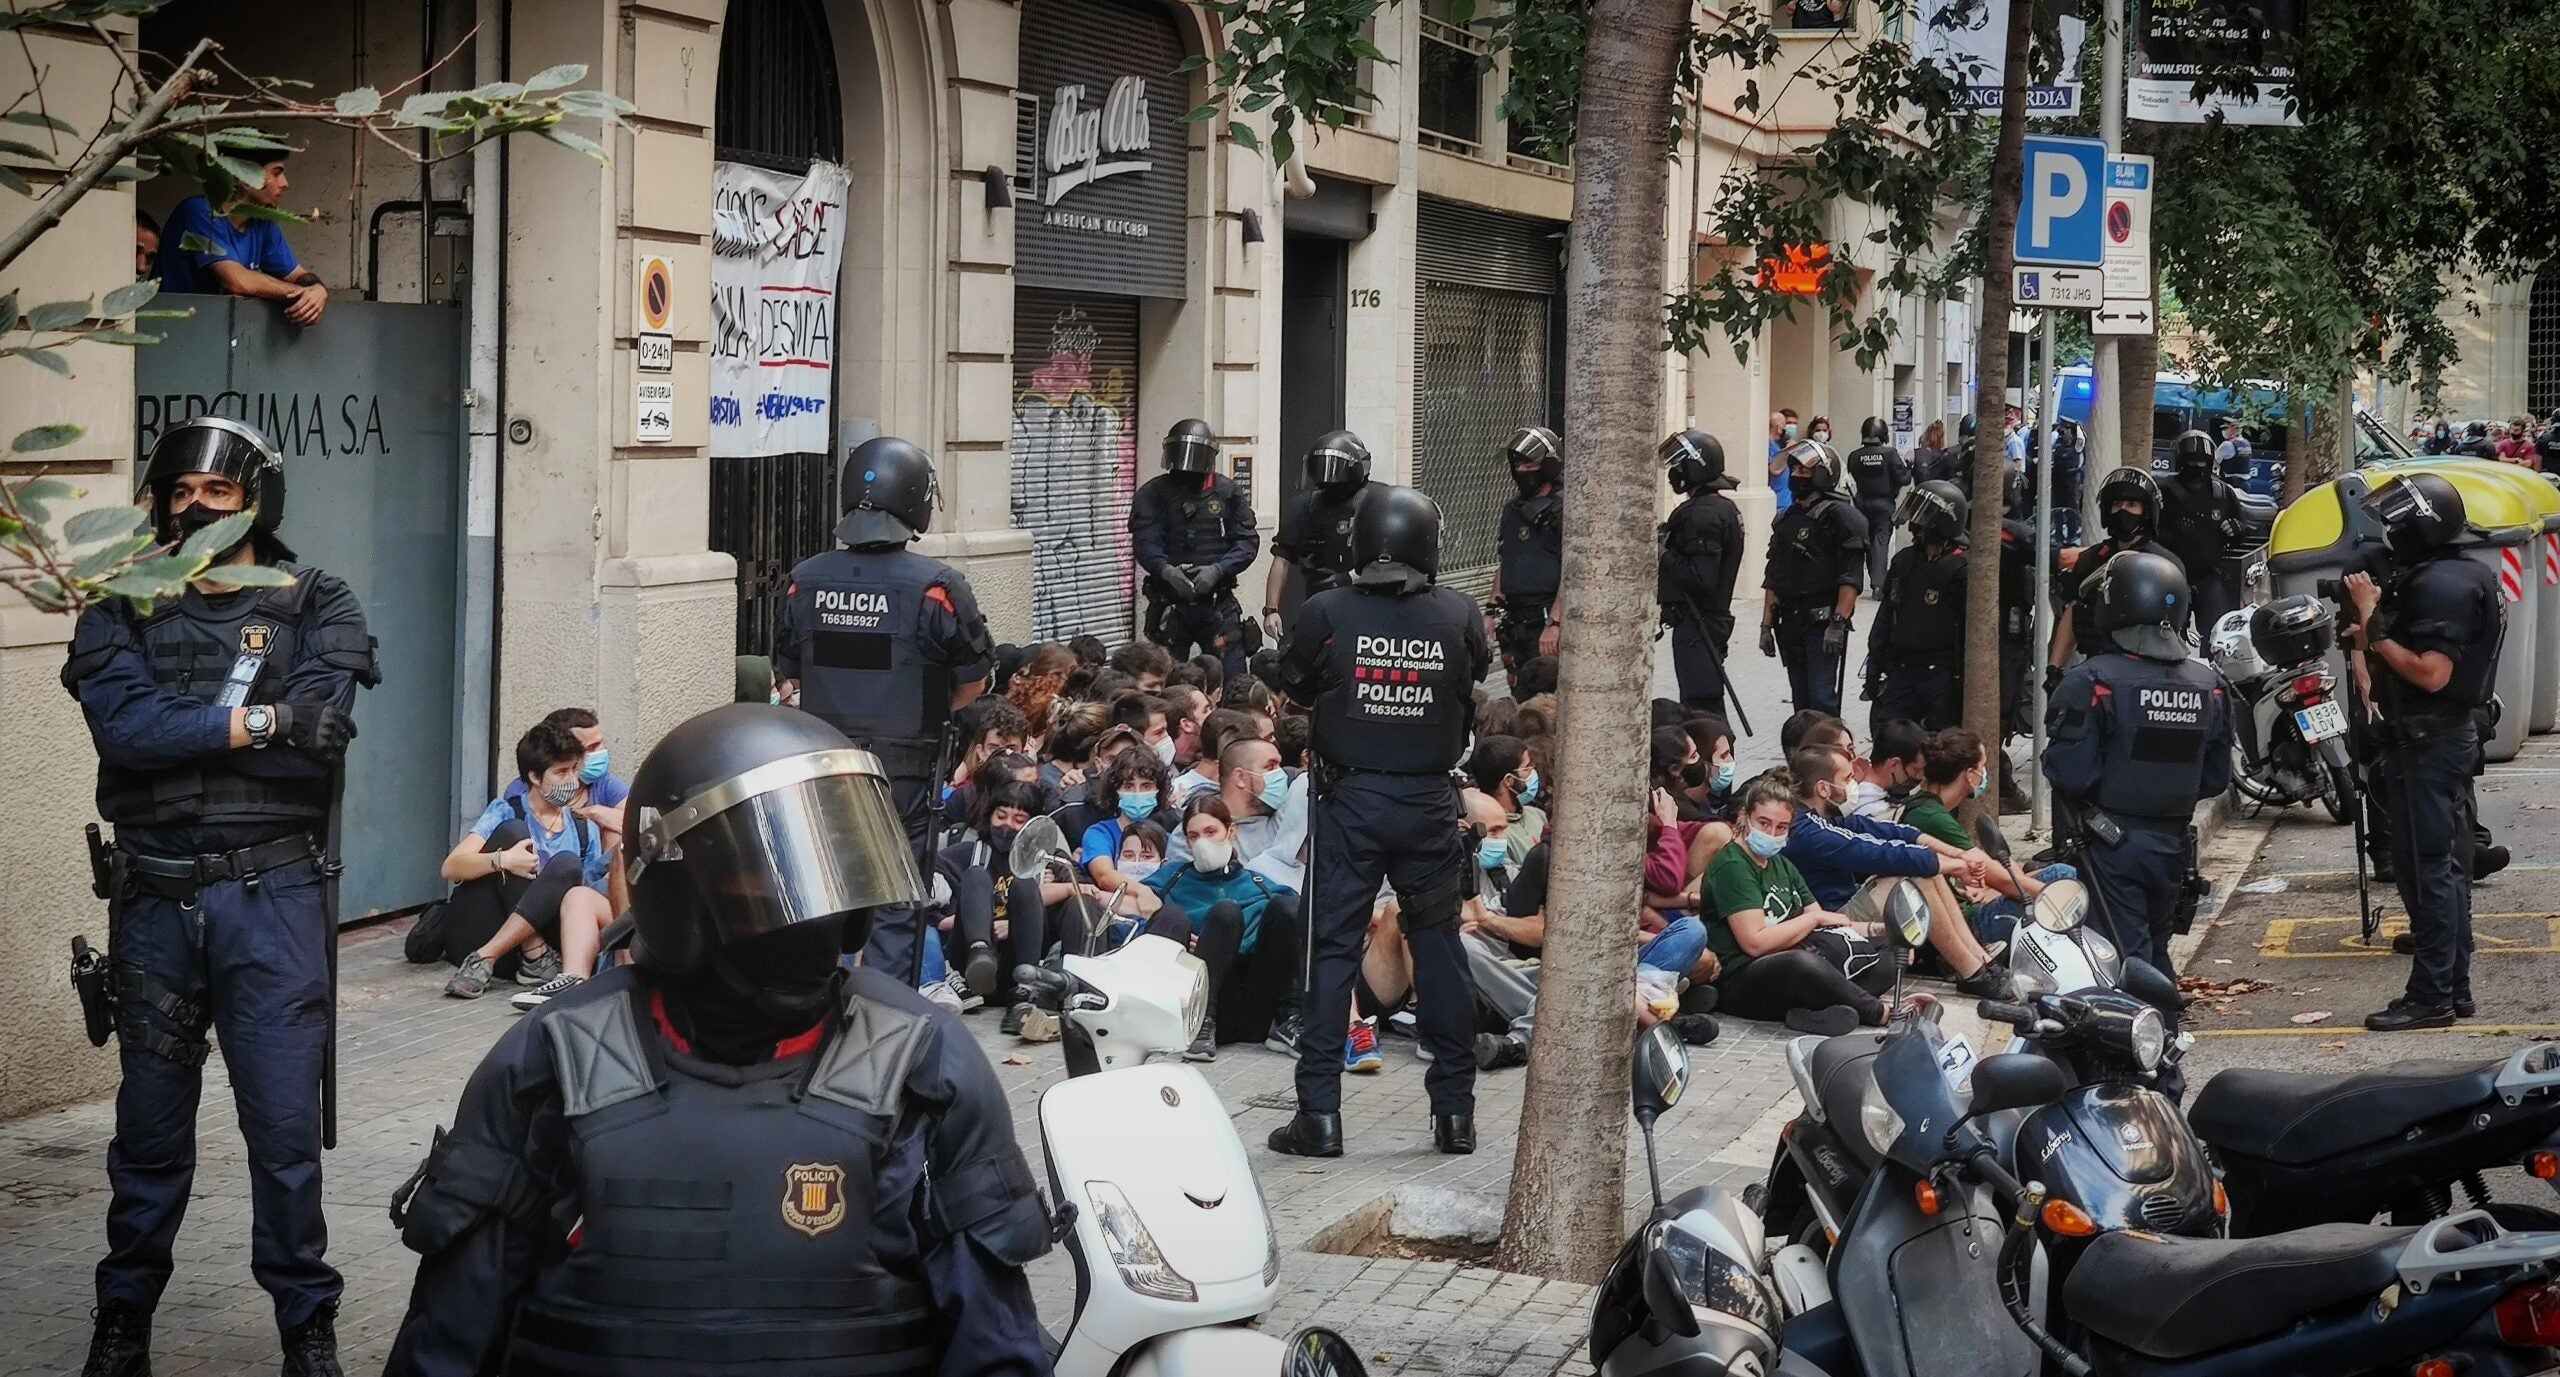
1955, 769
1785, 957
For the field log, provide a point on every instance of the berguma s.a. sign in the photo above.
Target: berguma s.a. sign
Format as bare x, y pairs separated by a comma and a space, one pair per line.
1101, 144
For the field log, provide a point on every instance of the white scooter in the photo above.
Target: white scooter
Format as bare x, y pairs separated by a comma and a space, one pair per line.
1171, 1239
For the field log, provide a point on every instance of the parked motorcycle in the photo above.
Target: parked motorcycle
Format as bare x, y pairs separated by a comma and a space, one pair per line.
2289, 718
1171, 1238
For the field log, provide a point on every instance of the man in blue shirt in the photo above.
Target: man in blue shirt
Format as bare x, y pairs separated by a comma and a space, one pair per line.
1849, 862
234, 254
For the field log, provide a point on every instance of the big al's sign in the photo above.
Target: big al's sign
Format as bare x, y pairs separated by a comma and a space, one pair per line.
1104, 148
1082, 136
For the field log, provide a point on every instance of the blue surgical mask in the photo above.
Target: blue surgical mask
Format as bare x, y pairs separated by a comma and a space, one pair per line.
1763, 845
1791, 430
1275, 788
1491, 853
1529, 787
599, 764
1723, 782
1136, 806
1982, 784
1136, 872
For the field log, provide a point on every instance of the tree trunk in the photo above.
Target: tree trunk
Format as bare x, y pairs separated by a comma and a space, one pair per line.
1991, 375
2138, 365
2303, 447
1567, 1208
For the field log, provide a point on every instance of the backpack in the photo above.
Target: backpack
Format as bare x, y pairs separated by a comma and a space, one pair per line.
424, 943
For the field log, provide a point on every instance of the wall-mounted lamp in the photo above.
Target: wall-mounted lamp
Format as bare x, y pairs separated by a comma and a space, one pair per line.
1253, 227
999, 188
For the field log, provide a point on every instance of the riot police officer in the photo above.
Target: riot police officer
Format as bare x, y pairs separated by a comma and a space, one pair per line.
1315, 526
733, 1155
2430, 633
2017, 625
1871, 477
2476, 443
1817, 565
2198, 516
2136, 738
1531, 550
1389, 666
1915, 650
1191, 529
885, 644
220, 720
1700, 558
2129, 509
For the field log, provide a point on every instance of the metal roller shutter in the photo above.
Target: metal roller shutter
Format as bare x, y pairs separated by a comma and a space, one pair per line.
1484, 367
2542, 344
1075, 448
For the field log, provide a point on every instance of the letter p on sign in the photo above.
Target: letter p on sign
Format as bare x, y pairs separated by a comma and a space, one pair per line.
2061, 218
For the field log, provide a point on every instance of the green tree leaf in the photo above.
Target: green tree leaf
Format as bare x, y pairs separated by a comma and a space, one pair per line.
124, 337
37, 119
553, 78
245, 576
103, 523
43, 490
126, 300
111, 557
143, 588
219, 536
46, 359
16, 183
12, 146
8, 310
53, 315
46, 437
362, 101
1244, 136
577, 143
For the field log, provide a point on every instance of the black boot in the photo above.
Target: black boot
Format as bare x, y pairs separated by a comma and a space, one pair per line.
1454, 1134
980, 971
2489, 860
311, 1347
1309, 1135
2404, 1016
121, 1344
2463, 1005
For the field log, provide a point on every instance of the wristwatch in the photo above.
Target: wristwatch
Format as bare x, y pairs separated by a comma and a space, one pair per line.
260, 721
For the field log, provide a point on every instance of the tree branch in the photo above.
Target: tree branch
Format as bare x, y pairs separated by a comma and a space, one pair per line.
136, 131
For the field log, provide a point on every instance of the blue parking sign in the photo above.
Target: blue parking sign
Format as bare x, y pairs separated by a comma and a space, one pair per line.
2062, 214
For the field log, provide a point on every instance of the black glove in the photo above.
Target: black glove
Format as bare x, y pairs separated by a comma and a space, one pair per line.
1835, 637
2052, 679
1179, 582
1207, 578
1768, 640
323, 729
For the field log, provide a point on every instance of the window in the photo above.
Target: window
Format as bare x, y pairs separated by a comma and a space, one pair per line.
1452, 115
1813, 14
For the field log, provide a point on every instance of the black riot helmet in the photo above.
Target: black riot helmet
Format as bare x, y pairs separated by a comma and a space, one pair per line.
1872, 430
224, 448
1694, 460
889, 492
2144, 605
1536, 458
2129, 485
748, 819
1395, 541
2192, 454
2477, 430
1190, 447
1813, 470
1337, 460
2419, 514
1937, 512
1965, 428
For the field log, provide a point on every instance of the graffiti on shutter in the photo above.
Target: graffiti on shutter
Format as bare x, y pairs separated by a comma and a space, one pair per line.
1075, 452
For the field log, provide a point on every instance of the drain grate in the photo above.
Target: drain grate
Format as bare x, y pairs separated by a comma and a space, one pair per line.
1277, 1099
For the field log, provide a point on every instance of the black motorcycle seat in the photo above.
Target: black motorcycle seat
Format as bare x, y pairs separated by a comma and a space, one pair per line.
1841, 1068
2285, 1117
2173, 1298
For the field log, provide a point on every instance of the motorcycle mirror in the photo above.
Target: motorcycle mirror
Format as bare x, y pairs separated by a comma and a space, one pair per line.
1321, 1353
2062, 906
2152, 986
1040, 843
2015, 1080
1993, 841
1906, 914
1663, 1293
1661, 1070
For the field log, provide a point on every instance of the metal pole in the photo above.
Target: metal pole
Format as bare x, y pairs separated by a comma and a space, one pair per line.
2039, 805
2106, 425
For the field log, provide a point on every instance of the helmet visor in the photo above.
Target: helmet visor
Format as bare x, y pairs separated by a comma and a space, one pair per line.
794, 841
1190, 454
1326, 467
2152, 641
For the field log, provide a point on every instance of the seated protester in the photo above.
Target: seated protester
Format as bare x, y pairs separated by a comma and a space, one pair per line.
1150, 720
1221, 726
1293, 734
1538, 679
989, 727
1090, 651
1495, 716
605, 789
534, 877
1035, 689
1247, 693
1213, 675
1090, 804
1139, 786
1535, 719
1253, 788
1792, 733
1074, 729
1677, 767
1247, 928
1957, 770
1146, 664
1012, 767
1849, 863
1263, 664
1783, 956
1501, 769
1890, 772
1668, 712
1185, 709
1106, 686
990, 919
1715, 798
1186, 675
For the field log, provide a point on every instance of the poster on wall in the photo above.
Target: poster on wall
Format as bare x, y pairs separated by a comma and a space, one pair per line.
777, 241
1970, 39
2176, 41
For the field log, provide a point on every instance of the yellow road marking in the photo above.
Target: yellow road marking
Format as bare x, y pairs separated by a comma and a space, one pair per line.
2283, 934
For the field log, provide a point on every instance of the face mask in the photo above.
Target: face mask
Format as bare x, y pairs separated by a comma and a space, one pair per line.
2123, 525
195, 518
1823, 434
1724, 778
1694, 773
1763, 845
1790, 430
1135, 807
1002, 839
1981, 785
558, 795
1136, 872
1491, 853
1275, 788
1164, 750
599, 764
1529, 787
1802, 486
1528, 480
1209, 855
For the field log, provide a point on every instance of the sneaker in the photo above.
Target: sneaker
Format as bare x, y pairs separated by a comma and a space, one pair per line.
1360, 1050
470, 979
1205, 1046
1498, 1051
539, 970
1837, 1021
120, 1346
1011, 1026
947, 993
1283, 1037
1039, 1025
1990, 982
311, 1347
1422, 1053
1697, 1030
539, 995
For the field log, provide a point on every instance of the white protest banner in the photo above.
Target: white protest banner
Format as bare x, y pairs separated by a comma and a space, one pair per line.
1970, 38
777, 241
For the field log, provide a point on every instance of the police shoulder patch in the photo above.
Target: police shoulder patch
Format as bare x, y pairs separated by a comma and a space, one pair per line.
256, 637
813, 1196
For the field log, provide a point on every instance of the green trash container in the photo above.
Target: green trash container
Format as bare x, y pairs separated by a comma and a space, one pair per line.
2541, 560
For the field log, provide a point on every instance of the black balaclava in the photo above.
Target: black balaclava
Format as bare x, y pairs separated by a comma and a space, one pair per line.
758, 991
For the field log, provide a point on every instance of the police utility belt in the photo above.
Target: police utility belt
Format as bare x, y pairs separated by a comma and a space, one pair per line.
117, 870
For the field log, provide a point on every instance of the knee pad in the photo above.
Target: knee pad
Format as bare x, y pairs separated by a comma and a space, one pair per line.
1428, 909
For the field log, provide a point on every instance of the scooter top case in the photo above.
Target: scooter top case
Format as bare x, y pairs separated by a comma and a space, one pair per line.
1170, 1227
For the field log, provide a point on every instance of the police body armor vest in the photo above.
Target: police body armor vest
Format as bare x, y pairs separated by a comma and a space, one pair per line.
1688, 545
865, 667
2017, 579
229, 652
1805, 556
2450, 598
1871, 466
1532, 549
727, 1211
2155, 750
1327, 563
2191, 518
1202, 525
1927, 600
1401, 695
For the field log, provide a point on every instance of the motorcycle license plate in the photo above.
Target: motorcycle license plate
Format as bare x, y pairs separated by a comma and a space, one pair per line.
2321, 721
1955, 1062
